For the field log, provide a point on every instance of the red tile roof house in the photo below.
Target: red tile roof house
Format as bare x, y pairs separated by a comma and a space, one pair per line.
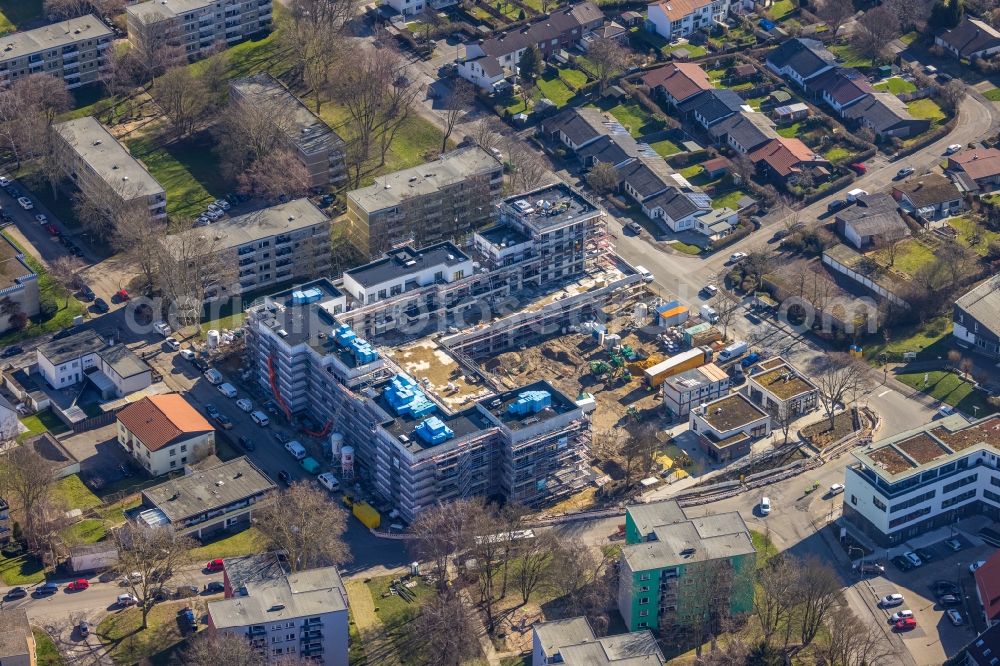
677, 82
976, 170
782, 160
163, 433
988, 588
839, 88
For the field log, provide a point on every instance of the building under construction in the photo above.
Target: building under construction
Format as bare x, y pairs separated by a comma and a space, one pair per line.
320, 349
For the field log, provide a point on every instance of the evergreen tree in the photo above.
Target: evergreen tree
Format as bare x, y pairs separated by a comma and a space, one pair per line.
530, 63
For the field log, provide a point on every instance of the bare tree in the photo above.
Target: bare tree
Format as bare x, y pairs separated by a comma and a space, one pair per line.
278, 173
305, 524
156, 50
874, 31
66, 271
773, 602
726, 308
440, 532
836, 375
487, 547
818, 592
186, 278
28, 108
445, 631
888, 247
852, 642
533, 557
149, 558
459, 100
489, 133
183, 97
26, 477
218, 648
314, 36
139, 236
782, 418
910, 12
582, 576
834, 13
952, 94
603, 178
609, 59
527, 169
743, 168
66, 9
249, 130
120, 76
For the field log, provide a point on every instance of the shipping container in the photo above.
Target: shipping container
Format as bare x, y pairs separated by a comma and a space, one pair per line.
367, 514
687, 360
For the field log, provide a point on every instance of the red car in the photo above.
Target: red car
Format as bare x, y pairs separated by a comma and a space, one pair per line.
52, 229
906, 624
860, 168
121, 295
214, 565
78, 585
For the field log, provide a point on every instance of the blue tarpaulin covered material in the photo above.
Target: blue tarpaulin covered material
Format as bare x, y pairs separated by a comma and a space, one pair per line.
361, 349
310, 295
405, 397
530, 402
766, 24
344, 335
434, 431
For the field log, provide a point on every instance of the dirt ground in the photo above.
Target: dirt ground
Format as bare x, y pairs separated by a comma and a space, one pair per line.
565, 362
425, 359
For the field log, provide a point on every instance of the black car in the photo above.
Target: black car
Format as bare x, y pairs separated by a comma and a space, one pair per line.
87, 294
15, 593
215, 586
201, 364
836, 204
281, 437
271, 407
247, 443
13, 350
101, 305
949, 600
943, 587
870, 568
46, 589
902, 563
924, 554
285, 477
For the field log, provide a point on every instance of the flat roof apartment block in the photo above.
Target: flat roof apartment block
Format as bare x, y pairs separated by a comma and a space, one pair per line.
104, 170
74, 50
314, 143
197, 26
728, 426
439, 200
676, 570
924, 478
574, 643
263, 248
18, 283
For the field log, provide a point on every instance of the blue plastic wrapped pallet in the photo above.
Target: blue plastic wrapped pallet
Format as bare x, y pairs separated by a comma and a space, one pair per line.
404, 397
363, 352
530, 402
343, 335
434, 431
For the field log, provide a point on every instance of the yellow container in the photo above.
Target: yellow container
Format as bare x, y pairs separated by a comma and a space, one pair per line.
367, 514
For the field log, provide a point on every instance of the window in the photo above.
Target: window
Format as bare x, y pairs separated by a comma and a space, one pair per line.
969, 494
173, 463
644, 613
990, 495
913, 501
910, 516
173, 451
184, 447
643, 625
958, 484
644, 588
644, 600
644, 576
854, 500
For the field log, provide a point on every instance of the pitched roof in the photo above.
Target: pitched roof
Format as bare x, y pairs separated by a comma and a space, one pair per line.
646, 177
676, 204
983, 304
676, 10
785, 155
610, 149
714, 105
971, 36
747, 129
929, 189
841, 85
681, 80
558, 22
805, 56
158, 420
978, 163
580, 125
988, 583
883, 110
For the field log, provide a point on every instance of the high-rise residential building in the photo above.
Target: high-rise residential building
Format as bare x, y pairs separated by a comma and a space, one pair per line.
315, 145
679, 573
74, 50
196, 26
436, 201
104, 171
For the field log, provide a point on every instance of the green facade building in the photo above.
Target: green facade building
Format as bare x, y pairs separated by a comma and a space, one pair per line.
682, 575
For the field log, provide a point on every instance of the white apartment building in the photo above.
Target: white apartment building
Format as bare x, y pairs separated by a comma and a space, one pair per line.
75, 50
263, 248
413, 7
924, 478
679, 18
102, 169
284, 615
197, 26
405, 269
83, 356
163, 433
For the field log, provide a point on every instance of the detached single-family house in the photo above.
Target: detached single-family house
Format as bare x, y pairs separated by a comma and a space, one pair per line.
929, 197
713, 106
801, 60
971, 38
975, 170
839, 88
678, 209
163, 433
782, 160
873, 219
667, 196
677, 81
976, 316
886, 115
490, 61
575, 127
744, 131
616, 150
679, 18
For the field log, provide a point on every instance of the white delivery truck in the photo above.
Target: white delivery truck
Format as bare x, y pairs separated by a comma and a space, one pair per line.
213, 376
709, 314
734, 350
297, 450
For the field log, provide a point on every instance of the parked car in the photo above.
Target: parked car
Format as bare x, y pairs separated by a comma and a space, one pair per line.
224, 421
101, 305
890, 600
247, 443
836, 489
15, 593
953, 148
172, 344
222, 203
900, 615
906, 624
4, 181
46, 589
942, 587
870, 568
83, 628
859, 168
954, 544
913, 558
285, 477
78, 585
904, 172
835, 205
187, 618
187, 354
975, 565
125, 600
42, 219
282, 437
215, 565
765, 506
201, 364
87, 294
710, 289
634, 227
924, 554
902, 563
955, 617
245, 404
737, 257
25, 203
947, 600
52, 229
212, 411
13, 350
214, 587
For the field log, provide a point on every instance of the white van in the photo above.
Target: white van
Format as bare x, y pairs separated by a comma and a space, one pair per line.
162, 328
260, 418
245, 404
297, 450
765, 506
213, 376
227, 390
329, 481
644, 272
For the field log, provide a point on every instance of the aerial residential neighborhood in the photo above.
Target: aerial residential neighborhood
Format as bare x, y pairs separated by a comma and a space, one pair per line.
500, 332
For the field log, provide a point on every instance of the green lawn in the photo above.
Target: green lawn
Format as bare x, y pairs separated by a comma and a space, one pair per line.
46, 652
74, 494
43, 421
992, 94
927, 109
910, 37
949, 388
837, 154
555, 90
249, 541
126, 643
849, 56
692, 171
694, 51
910, 256
685, 248
895, 85
665, 148
573, 78
927, 340
90, 530
21, 570
188, 170
392, 609
728, 200
969, 231
790, 131
15, 12
755, 102
636, 119
765, 548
